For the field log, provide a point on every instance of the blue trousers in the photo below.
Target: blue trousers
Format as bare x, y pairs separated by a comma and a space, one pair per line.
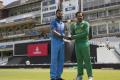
57, 59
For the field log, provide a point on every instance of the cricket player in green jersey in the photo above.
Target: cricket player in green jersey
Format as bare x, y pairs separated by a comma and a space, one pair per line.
80, 33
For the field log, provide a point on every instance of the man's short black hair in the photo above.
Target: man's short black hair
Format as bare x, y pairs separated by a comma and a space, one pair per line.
79, 13
58, 10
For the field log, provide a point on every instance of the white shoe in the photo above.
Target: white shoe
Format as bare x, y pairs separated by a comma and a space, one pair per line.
90, 78
79, 78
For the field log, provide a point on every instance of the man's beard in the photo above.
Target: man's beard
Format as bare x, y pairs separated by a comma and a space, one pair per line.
80, 20
60, 18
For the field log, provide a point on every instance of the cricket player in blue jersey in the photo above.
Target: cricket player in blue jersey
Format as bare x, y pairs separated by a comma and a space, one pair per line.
57, 47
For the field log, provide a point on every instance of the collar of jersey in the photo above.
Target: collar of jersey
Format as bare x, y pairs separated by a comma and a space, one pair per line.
58, 20
80, 22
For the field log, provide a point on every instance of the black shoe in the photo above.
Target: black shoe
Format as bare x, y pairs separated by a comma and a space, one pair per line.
52, 79
60, 79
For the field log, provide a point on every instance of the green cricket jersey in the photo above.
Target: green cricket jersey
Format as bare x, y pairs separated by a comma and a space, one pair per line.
80, 31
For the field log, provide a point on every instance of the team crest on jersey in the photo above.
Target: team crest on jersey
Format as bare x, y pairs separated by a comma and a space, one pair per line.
78, 30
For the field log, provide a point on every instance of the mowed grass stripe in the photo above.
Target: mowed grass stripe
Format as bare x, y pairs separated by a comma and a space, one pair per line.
43, 74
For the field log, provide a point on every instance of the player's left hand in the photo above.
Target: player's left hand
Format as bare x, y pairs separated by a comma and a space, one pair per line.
68, 38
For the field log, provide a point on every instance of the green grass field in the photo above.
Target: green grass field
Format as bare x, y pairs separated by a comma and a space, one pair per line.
43, 74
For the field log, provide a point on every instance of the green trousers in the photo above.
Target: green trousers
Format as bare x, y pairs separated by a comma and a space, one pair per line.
83, 57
